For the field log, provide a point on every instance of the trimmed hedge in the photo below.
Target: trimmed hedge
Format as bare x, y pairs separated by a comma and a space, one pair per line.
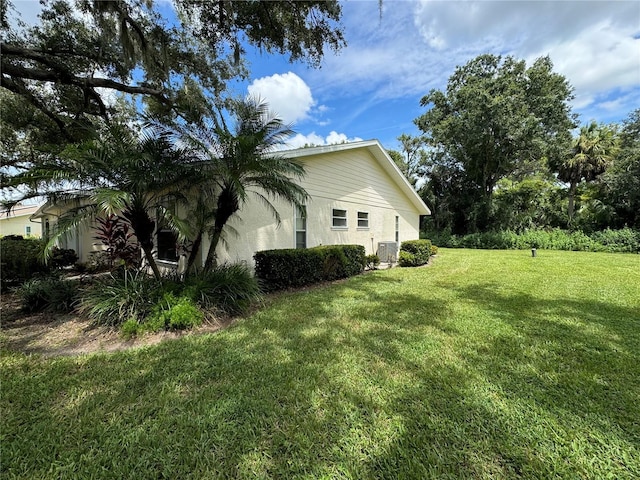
290, 268
20, 260
414, 253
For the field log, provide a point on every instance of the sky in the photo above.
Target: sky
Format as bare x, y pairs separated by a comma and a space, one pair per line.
372, 88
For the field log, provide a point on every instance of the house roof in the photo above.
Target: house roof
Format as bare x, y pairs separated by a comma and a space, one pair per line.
19, 211
379, 153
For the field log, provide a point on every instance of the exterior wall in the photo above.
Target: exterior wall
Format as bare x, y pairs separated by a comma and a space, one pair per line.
351, 180
17, 225
81, 240
19, 221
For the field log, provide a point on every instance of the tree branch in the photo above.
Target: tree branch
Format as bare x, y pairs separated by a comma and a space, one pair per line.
15, 87
56, 73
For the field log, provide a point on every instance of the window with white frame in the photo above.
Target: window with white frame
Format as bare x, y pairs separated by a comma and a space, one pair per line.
27, 230
301, 229
339, 218
363, 219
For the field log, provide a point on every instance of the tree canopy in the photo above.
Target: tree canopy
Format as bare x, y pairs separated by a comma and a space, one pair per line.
496, 118
61, 71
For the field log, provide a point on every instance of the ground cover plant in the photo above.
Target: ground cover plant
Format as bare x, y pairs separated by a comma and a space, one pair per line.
487, 364
625, 240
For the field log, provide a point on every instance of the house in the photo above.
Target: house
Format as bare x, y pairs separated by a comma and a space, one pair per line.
19, 222
357, 196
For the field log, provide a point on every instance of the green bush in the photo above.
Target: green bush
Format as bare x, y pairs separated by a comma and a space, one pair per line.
20, 260
229, 288
290, 268
130, 328
119, 297
63, 257
50, 293
173, 313
624, 240
414, 253
434, 250
372, 261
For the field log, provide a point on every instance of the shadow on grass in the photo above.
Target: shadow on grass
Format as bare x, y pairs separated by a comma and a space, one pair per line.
357, 380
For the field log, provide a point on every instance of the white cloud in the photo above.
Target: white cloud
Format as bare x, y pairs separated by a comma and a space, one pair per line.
417, 45
313, 139
288, 95
591, 43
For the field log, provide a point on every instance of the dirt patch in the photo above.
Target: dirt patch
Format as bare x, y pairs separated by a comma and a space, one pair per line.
56, 334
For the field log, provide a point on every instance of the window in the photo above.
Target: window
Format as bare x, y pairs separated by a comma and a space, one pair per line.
301, 229
339, 218
397, 229
27, 230
363, 219
167, 241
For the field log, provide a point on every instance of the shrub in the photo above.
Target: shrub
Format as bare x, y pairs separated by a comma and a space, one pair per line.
229, 288
130, 328
434, 250
372, 261
416, 253
63, 257
624, 240
115, 234
20, 260
117, 298
175, 313
286, 268
49, 293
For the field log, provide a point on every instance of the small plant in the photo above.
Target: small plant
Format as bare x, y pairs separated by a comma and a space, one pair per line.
117, 298
130, 328
229, 288
434, 250
49, 293
174, 313
372, 262
115, 233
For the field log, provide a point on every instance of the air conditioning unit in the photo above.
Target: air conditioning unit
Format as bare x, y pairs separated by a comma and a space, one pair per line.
388, 252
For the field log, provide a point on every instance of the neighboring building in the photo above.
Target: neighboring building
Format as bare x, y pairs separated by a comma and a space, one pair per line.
357, 196
18, 222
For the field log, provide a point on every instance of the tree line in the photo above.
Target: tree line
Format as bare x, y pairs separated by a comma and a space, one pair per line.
500, 149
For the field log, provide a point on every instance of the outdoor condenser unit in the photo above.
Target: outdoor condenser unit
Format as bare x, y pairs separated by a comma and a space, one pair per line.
388, 252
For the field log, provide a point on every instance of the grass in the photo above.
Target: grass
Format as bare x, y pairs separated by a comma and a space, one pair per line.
489, 364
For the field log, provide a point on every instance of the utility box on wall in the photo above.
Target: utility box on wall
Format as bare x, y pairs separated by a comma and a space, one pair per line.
388, 252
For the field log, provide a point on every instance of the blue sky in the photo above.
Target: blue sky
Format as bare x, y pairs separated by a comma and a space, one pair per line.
372, 88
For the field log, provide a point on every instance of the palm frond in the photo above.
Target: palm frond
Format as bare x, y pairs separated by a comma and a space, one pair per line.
67, 224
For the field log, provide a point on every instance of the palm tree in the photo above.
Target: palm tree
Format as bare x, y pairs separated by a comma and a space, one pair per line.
133, 175
241, 162
591, 153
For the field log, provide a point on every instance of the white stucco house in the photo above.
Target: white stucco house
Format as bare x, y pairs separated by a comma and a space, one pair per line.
357, 196
19, 221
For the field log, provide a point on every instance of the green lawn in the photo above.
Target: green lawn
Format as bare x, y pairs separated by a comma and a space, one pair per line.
488, 364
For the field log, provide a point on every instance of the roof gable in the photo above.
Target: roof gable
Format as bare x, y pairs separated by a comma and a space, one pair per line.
379, 153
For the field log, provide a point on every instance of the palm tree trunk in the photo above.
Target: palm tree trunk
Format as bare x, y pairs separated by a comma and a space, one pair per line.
572, 195
148, 254
211, 262
195, 248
